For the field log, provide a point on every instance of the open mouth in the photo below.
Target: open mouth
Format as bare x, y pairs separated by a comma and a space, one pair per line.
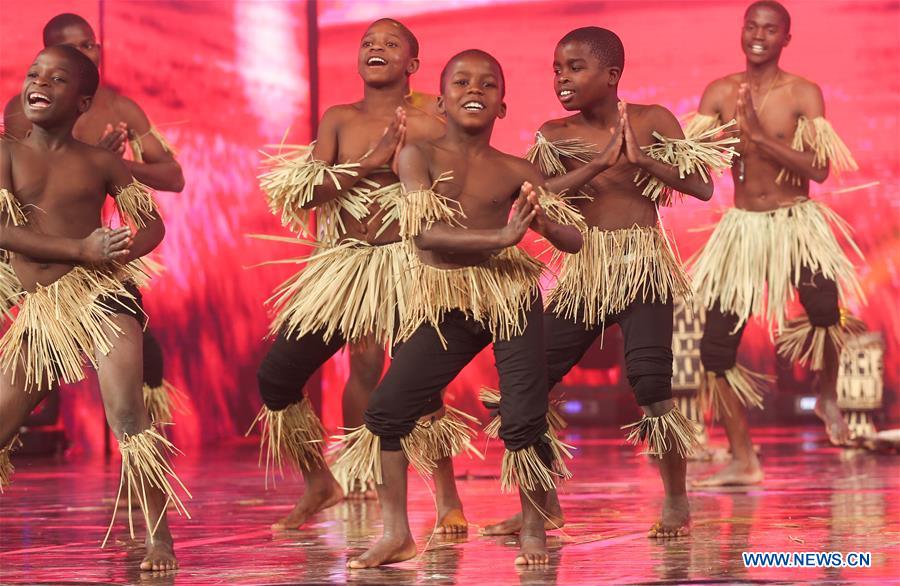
566, 95
376, 61
757, 49
473, 106
38, 100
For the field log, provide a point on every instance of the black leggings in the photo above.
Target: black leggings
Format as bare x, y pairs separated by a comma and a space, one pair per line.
290, 363
719, 345
153, 356
647, 330
421, 368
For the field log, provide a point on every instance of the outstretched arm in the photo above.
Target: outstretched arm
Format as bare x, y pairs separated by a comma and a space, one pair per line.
665, 124
798, 162
441, 236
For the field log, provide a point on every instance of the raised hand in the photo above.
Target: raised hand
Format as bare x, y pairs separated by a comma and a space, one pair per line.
400, 143
105, 245
748, 121
633, 152
523, 214
609, 155
384, 151
113, 138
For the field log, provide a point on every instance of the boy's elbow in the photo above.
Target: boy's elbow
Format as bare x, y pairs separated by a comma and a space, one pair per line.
423, 241
819, 174
178, 183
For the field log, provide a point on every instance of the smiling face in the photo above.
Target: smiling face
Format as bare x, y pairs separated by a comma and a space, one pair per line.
580, 77
52, 90
472, 91
385, 55
764, 35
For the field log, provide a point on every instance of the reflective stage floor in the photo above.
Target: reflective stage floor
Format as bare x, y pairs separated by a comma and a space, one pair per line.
815, 498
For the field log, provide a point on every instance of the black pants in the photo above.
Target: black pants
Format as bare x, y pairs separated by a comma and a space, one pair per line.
153, 356
421, 368
290, 363
647, 330
719, 345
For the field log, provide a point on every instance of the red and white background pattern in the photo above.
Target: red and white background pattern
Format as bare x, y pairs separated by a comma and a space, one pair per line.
224, 78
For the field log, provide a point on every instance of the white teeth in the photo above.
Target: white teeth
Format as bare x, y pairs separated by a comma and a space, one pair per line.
376, 61
38, 100
565, 93
473, 106
757, 48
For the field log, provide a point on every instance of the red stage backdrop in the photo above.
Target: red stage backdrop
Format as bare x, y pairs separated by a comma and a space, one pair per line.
223, 78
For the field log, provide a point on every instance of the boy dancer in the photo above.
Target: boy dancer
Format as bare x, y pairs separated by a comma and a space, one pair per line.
474, 287
623, 161
353, 289
774, 240
73, 310
112, 120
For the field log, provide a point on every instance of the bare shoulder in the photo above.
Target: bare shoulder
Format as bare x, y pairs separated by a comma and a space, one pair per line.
517, 168
724, 87
558, 128
425, 123
340, 114
803, 88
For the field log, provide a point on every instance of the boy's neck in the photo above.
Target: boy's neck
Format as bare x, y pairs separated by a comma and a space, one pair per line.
604, 112
51, 138
762, 74
469, 141
384, 100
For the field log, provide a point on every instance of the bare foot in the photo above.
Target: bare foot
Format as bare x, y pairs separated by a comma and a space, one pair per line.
387, 550
837, 429
532, 549
310, 503
513, 525
675, 521
734, 474
160, 554
452, 522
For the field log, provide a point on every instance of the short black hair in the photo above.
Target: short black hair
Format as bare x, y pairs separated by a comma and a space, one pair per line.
605, 45
772, 5
86, 72
56, 24
404, 30
479, 53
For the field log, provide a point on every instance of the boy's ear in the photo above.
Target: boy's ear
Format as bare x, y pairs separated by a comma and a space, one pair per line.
413, 66
615, 74
84, 104
787, 40
440, 105
502, 113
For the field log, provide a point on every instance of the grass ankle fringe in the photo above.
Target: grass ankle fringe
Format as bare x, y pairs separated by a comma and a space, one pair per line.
435, 438
703, 154
10, 289
359, 458
491, 399
496, 293
136, 205
289, 183
817, 135
614, 268
525, 469
424, 207
145, 466
6, 467
549, 154
752, 252
60, 325
11, 211
354, 289
803, 343
163, 401
294, 434
748, 387
664, 432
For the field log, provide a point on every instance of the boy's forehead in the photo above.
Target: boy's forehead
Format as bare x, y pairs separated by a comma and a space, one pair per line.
384, 27
474, 64
763, 15
53, 57
74, 33
574, 50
